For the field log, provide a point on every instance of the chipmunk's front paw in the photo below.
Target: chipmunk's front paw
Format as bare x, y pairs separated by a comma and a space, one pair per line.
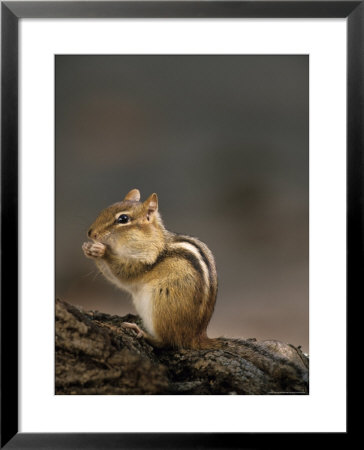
93, 249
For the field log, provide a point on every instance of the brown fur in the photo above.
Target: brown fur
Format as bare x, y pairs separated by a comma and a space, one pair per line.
177, 271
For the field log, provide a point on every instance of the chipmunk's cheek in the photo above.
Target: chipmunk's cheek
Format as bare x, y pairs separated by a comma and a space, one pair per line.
112, 245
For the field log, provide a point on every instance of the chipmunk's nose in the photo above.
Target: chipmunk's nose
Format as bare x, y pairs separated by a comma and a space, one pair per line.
91, 234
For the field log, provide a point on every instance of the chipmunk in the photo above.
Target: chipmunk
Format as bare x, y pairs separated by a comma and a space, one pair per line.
172, 278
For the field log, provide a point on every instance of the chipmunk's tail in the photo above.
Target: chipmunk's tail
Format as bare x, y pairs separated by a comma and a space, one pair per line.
206, 343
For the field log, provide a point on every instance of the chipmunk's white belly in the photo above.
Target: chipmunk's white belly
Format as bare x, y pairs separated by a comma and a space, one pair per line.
143, 303
142, 297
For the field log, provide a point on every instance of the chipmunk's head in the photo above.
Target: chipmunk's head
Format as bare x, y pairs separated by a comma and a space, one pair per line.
133, 230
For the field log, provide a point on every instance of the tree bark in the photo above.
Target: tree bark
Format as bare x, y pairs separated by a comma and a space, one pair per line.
95, 355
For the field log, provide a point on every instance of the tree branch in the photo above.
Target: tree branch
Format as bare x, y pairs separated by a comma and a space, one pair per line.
95, 355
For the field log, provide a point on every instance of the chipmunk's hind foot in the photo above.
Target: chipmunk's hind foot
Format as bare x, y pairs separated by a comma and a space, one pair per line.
133, 326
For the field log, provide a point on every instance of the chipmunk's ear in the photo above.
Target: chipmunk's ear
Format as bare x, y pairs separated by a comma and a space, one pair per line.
151, 205
133, 195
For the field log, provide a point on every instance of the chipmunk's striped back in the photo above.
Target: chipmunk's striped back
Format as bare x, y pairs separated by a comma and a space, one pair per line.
206, 263
186, 291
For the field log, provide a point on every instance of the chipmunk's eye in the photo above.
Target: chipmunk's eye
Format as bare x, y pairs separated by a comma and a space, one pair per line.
123, 219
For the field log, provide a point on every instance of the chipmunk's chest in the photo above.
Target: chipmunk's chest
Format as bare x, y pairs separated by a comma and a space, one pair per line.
109, 274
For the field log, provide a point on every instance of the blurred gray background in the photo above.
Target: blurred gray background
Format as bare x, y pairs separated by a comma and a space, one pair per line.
223, 141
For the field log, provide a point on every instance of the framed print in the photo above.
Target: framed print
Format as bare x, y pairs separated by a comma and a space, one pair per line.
130, 128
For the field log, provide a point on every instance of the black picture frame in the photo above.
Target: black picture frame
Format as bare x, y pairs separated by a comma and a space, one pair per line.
11, 12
